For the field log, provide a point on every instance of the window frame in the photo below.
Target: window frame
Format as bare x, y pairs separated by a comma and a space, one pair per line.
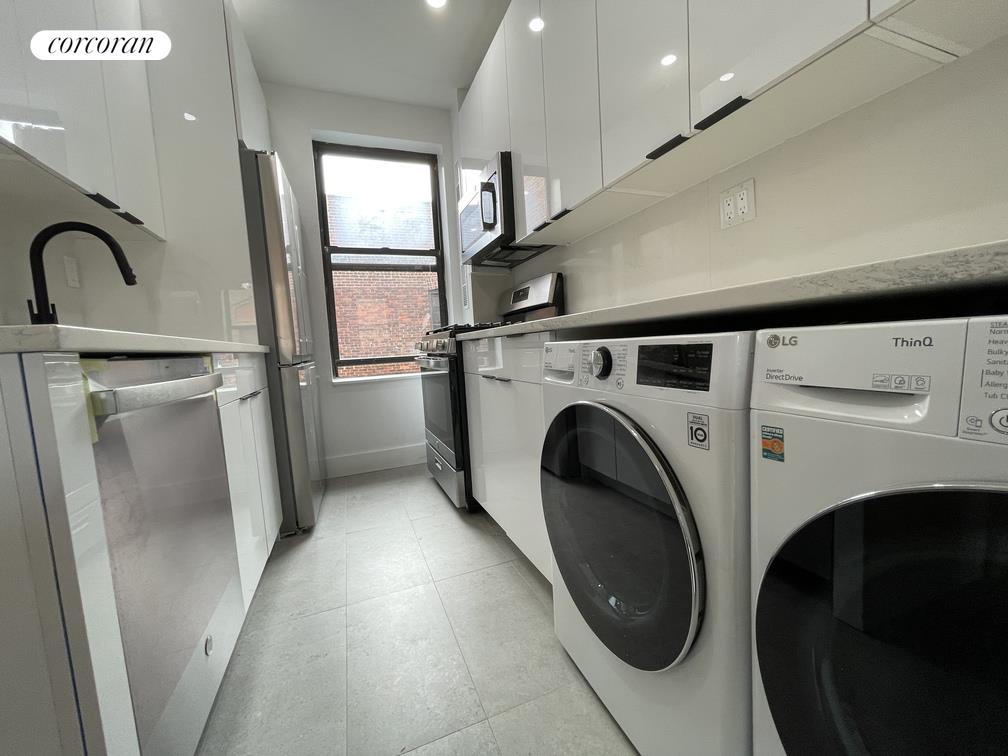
320, 150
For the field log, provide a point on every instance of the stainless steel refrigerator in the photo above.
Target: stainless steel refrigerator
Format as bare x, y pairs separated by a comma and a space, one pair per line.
281, 304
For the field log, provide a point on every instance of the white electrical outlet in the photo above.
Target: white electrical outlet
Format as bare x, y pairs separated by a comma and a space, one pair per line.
738, 204
72, 274
727, 209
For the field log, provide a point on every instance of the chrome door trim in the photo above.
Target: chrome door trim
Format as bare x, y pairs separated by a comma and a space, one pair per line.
115, 401
687, 524
907, 488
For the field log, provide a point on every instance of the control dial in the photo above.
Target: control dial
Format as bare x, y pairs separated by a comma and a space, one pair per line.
601, 362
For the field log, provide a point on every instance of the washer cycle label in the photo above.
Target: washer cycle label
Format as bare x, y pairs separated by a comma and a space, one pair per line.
773, 442
698, 430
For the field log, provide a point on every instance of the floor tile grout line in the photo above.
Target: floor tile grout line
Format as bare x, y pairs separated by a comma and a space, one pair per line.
458, 645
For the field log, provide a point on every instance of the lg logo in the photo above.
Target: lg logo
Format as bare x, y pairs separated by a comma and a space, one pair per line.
773, 341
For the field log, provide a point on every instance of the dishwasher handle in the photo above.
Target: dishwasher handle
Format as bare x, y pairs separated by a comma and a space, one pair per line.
115, 401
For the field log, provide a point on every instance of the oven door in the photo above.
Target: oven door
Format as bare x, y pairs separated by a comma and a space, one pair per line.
441, 402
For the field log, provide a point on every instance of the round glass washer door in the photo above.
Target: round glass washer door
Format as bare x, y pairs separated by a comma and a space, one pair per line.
623, 536
882, 626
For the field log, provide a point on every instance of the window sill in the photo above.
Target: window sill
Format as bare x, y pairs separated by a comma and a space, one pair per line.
374, 378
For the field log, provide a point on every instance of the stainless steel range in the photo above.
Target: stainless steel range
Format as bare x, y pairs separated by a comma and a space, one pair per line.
443, 383
443, 386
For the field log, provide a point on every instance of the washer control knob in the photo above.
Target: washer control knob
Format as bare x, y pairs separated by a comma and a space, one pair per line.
601, 362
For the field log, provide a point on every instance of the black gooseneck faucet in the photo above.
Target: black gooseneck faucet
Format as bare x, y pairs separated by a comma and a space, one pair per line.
46, 312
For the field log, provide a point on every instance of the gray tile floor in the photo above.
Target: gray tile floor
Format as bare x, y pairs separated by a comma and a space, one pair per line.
403, 625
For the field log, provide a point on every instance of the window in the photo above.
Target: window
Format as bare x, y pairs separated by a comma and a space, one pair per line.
381, 243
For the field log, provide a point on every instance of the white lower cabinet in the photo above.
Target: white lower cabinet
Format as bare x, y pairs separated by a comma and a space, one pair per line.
266, 464
251, 468
506, 430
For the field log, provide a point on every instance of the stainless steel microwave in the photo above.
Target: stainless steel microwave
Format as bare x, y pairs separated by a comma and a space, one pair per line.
487, 219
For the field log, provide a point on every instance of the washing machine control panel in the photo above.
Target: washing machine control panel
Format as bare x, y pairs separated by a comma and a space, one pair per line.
984, 410
604, 365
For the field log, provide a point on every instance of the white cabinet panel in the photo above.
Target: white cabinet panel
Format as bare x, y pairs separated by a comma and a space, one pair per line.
68, 97
526, 116
131, 131
496, 133
738, 48
513, 413
13, 85
237, 426
570, 79
474, 420
266, 463
470, 125
643, 80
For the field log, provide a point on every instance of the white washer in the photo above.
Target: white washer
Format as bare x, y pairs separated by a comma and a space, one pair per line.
645, 486
880, 538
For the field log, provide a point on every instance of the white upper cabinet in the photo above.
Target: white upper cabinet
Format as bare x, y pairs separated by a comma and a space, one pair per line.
13, 85
483, 115
131, 131
493, 91
739, 48
65, 123
526, 116
570, 78
643, 80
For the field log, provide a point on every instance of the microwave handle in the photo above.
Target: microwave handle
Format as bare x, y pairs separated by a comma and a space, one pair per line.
488, 187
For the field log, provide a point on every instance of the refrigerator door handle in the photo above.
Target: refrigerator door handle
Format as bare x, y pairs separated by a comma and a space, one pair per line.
115, 401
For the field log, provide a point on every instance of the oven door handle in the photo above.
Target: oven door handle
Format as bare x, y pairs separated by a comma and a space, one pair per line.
433, 363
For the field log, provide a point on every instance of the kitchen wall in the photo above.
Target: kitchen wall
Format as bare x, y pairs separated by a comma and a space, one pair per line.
368, 423
918, 170
196, 283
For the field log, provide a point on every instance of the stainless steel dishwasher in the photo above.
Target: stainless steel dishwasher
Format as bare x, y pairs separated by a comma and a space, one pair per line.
167, 512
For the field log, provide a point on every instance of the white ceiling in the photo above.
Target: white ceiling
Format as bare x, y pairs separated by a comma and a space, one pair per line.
401, 50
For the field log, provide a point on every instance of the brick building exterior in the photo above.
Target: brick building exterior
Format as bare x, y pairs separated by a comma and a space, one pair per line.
381, 312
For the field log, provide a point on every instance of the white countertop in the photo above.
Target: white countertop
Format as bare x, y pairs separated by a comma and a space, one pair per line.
985, 263
61, 338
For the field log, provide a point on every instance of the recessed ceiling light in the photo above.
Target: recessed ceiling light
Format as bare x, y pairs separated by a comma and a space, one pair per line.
728, 76
437, 3
189, 116
537, 24
669, 59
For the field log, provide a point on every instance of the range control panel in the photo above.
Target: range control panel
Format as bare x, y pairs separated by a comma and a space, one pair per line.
984, 408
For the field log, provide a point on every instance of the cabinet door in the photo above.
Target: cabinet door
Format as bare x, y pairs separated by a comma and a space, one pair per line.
13, 85
643, 80
131, 131
266, 464
246, 499
526, 116
474, 420
522, 463
738, 48
470, 130
513, 411
570, 81
68, 123
496, 132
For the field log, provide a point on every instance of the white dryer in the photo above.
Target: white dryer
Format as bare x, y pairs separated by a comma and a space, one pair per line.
645, 487
880, 538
